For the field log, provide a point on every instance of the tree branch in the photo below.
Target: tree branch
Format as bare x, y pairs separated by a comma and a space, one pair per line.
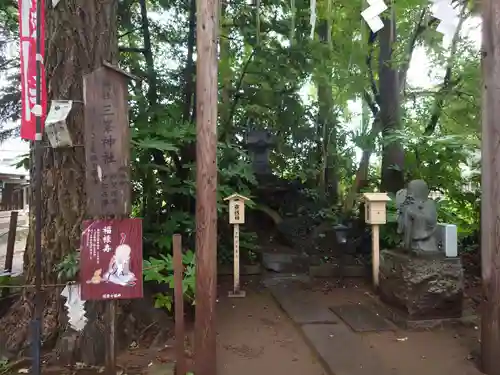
369, 57
238, 86
131, 49
419, 29
448, 83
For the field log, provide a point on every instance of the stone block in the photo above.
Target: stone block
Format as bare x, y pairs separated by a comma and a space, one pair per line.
422, 287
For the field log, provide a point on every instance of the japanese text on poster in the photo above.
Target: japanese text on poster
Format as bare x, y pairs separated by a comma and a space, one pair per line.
111, 259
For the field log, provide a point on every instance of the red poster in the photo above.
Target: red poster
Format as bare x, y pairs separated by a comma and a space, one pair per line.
111, 259
27, 32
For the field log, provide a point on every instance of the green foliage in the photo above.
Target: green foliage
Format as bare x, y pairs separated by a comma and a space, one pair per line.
161, 270
310, 92
4, 365
69, 267
248, 248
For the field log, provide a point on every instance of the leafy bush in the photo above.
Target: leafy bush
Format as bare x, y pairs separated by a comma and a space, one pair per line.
161, 270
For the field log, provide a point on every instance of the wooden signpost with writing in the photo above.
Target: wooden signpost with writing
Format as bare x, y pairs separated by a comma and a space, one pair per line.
107, 155
107, 142
375, 215
236, 217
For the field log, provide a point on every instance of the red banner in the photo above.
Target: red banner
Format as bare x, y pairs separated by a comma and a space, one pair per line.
28, 34
111, 259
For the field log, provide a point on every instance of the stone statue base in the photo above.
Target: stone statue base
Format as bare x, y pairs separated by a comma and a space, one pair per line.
422, 287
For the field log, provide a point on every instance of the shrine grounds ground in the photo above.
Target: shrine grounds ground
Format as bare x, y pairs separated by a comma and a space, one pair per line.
255, 336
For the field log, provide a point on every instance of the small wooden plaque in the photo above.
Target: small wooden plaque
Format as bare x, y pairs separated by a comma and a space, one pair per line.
237, 211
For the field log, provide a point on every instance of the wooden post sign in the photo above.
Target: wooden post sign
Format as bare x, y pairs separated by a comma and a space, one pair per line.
107, 142
236, 217
375, 214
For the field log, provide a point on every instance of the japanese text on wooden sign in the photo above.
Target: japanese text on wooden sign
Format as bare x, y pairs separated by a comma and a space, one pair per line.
236, 211
111, 259
107, 143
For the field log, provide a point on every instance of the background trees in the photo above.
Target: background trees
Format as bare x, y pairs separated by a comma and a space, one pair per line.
340, 101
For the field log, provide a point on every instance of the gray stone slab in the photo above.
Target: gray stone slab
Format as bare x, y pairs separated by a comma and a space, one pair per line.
299, 308
342, 351
362, 319
285, 262
285, 279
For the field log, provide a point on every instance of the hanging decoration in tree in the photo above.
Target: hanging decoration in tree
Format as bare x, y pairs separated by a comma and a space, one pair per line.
312, 19
372, 14
75, 307
444, 11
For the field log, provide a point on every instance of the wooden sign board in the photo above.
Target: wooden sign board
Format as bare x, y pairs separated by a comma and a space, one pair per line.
107, 143
236, 208
375, 208
236, 212
111, 259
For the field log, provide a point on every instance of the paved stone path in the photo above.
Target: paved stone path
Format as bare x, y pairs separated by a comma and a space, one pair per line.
341, 350
378, 346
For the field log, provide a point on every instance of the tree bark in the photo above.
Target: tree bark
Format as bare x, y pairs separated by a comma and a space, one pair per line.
392, 153
80, 35
327, 132
490, 186
226, 76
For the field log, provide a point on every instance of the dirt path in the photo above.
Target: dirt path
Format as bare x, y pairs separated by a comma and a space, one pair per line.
256, 337
416, 353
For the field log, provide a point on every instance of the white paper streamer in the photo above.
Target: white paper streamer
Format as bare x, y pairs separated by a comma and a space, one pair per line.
312, 19
372, 14
75, 307
443, 10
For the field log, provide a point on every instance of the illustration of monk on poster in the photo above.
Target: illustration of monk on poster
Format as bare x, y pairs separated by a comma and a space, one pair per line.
111, 259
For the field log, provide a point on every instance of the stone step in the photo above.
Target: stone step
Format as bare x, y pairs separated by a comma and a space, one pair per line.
285, 262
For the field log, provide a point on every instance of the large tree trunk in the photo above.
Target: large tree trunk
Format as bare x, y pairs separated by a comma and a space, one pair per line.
389, 88
80, 35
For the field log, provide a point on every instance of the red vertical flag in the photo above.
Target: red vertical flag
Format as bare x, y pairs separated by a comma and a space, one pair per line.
28, 35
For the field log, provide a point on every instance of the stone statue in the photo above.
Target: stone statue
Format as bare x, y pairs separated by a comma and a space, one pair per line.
417, 218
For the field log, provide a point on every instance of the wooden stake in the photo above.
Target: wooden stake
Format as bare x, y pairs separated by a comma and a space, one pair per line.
237, 292
375, 254
11, 242
179, 306
110, 339
207, 13
490, 187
